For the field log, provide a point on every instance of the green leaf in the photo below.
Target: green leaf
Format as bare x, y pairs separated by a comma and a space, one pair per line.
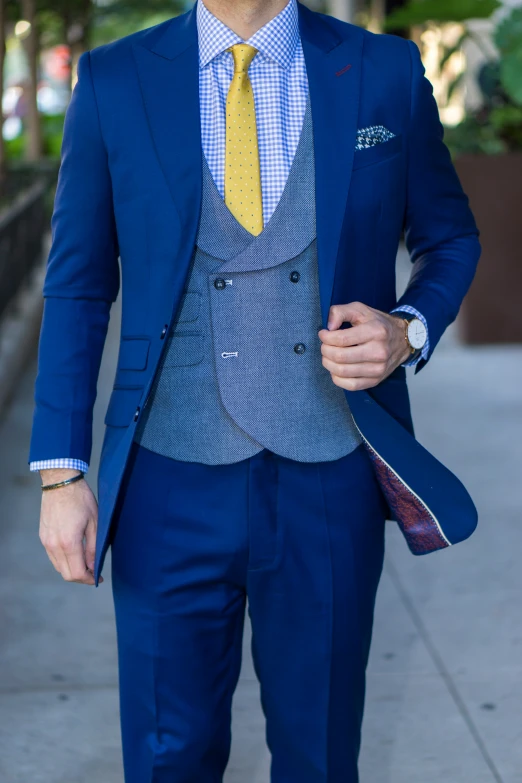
508, 35
506, 116
471, 137
511, 75
418, 12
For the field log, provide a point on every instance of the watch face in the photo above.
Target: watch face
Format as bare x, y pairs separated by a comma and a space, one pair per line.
417, 334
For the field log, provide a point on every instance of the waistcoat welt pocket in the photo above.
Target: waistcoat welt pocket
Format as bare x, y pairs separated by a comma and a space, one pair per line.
134, 353
190, 308
185, 349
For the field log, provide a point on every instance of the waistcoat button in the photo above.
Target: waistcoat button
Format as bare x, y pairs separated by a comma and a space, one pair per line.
219, 284
137, 414
294, 277
299, 348
164, 332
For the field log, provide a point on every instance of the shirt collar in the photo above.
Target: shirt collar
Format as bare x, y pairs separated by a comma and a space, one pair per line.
276, 40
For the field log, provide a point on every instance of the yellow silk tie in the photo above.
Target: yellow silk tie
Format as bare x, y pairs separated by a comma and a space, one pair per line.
242, 170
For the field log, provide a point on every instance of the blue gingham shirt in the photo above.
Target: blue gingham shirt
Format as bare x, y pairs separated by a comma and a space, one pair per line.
280, 85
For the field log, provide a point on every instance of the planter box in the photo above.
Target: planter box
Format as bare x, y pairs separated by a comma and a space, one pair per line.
492, 310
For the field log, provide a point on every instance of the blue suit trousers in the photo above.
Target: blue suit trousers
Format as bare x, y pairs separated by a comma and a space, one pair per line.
303, 544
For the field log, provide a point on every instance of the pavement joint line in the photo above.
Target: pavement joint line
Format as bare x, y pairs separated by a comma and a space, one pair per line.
62, 687
441, 668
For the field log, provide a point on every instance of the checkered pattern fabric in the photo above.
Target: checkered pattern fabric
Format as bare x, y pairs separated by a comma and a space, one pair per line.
280, 85
56, 464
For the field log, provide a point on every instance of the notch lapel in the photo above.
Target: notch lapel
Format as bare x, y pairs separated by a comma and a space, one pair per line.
334, 95
168, 68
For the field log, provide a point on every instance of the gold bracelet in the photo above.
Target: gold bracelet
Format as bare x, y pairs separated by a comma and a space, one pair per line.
73, 480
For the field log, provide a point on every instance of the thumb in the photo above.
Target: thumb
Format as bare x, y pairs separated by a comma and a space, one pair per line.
354, 313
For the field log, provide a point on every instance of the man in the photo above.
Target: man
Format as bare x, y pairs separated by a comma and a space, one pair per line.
253, 165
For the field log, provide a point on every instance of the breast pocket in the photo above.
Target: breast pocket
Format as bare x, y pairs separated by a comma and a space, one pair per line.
370, 156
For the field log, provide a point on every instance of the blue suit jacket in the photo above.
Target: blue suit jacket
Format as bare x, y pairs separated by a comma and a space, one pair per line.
130, 187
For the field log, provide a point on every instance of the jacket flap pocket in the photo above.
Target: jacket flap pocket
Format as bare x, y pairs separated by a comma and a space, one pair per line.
190, 307
123, 406
134, 353
378, 152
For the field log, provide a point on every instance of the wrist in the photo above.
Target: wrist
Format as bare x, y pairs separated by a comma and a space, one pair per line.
402, 324
415, 332
55, 475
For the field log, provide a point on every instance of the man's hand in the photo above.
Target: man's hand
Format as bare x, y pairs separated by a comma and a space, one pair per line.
68, 524
365, 354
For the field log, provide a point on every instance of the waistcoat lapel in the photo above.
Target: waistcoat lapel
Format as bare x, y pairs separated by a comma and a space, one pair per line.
334, 95
168, 67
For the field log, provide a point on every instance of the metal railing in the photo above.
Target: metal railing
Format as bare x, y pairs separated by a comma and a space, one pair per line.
23, 226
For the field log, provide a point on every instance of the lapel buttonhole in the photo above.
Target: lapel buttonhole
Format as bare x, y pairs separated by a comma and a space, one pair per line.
343, 70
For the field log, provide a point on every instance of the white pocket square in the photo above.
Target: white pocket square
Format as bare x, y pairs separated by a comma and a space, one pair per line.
369, 137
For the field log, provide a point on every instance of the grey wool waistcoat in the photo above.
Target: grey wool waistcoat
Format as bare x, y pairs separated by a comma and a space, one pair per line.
242, 369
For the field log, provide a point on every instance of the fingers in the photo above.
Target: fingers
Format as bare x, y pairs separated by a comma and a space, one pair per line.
77, 566
372, 352
370, 371
53, 560
354, 384
354, 313
68, 523
90, 545
54, 552
375, 329
68, 558
364, 355
357, 358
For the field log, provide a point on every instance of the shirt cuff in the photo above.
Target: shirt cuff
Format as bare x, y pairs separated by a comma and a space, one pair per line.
426, 350
56, 464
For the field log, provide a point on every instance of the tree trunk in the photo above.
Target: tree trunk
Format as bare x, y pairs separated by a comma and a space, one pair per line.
33, 149
377, 15
78, 36
2, 59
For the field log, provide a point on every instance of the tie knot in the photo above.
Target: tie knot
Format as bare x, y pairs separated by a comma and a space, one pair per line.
243, 55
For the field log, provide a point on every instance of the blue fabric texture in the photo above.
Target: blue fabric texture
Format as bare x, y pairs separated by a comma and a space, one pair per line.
283, 535
125, 189
229, 382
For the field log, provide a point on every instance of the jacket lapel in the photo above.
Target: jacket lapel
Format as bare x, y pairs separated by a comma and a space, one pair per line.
168, 68
334, 94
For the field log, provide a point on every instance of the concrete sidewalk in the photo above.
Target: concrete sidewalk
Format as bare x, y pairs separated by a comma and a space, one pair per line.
445, 680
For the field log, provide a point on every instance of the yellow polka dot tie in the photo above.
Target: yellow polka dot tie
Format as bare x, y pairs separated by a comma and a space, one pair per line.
242, 170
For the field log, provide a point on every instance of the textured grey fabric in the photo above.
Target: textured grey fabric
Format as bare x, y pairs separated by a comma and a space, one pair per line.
231, 381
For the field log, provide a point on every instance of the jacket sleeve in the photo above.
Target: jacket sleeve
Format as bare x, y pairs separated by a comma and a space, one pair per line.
82, 281
440, 231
